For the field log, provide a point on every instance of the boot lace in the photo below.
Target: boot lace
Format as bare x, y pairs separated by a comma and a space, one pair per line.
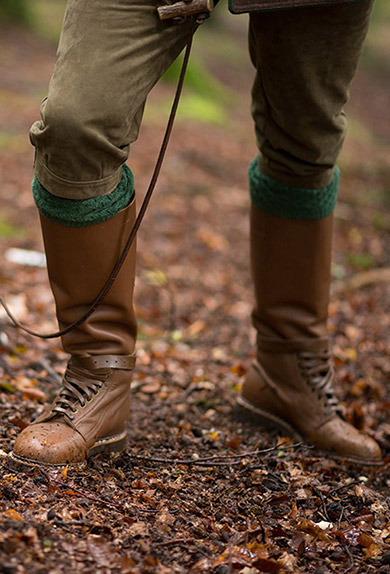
318, 371
79, 388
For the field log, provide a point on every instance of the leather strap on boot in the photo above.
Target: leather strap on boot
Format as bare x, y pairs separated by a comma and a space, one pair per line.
123, 362
83, 379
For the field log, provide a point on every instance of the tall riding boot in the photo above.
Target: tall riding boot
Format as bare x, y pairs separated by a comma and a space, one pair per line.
289, 384
90, 413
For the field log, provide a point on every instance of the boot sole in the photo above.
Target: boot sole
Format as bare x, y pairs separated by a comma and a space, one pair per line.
106, 445
273, 422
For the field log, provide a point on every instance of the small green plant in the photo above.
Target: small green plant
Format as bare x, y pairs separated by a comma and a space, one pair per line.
362, 260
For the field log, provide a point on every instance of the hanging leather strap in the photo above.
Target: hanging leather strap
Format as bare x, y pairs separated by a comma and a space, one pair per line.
117, 267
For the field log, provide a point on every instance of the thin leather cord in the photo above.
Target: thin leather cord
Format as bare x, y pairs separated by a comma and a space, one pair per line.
118, 265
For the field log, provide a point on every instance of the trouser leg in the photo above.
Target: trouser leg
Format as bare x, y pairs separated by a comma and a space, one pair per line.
111, 53
305, 61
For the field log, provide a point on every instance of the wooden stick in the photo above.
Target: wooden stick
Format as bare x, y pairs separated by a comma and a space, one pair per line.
183, 9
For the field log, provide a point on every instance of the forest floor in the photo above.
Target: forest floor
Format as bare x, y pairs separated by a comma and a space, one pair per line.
199, 488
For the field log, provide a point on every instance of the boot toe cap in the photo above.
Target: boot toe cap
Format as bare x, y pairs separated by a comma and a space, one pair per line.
51, 443
343, 439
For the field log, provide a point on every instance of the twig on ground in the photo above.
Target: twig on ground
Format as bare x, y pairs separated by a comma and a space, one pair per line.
221, 460
360, 280
175, 541
75, 523
41, 362
342, 486
340, 518
321, 497
352, 562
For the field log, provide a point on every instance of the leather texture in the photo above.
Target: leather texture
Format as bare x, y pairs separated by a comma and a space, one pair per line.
290, 383
240, 6
79, 262
290, 263
90, 412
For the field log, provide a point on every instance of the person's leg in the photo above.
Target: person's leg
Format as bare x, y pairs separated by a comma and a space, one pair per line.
305, 60
110, 55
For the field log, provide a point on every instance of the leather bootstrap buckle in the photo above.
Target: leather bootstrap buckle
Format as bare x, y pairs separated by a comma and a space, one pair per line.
180, 11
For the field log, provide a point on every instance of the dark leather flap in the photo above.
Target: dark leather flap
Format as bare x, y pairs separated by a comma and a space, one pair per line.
240, 6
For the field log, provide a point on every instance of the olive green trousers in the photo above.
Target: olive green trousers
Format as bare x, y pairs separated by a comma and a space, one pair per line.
112, 52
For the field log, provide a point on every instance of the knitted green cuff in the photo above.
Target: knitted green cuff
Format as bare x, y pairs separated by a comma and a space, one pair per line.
284, 200
84, 212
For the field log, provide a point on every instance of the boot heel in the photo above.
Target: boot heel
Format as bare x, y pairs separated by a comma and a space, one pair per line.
116, 443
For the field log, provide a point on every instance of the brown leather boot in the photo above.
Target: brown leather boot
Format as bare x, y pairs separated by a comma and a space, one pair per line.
289, 385
90, 413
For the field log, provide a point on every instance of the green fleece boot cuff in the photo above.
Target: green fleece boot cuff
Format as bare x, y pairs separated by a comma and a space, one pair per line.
84, 212
282, 200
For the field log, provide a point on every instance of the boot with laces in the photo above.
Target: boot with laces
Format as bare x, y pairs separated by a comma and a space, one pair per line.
290, 384
90, 413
